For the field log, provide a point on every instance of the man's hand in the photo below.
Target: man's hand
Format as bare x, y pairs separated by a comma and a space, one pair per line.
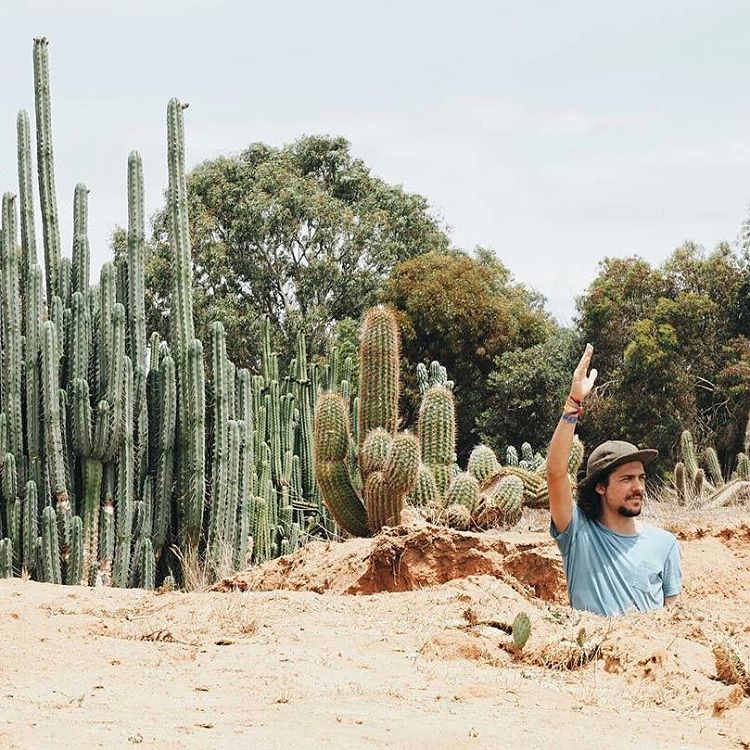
558, 482
583, 382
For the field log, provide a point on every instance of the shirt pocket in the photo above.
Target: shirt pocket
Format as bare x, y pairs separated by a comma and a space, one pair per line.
648, 580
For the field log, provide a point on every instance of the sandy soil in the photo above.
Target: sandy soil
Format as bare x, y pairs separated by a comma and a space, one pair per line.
420, 661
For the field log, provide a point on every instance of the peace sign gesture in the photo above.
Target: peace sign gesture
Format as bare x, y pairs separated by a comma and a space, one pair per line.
583, 382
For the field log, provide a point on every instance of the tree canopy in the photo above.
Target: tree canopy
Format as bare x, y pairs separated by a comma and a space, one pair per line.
671, 344
304, 234
464, 312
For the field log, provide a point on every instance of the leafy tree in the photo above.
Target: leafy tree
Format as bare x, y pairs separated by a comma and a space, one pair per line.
526, 391
303, 233
463, 312
671, 346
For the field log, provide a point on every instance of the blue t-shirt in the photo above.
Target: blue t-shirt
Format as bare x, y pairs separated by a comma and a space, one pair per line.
610, 573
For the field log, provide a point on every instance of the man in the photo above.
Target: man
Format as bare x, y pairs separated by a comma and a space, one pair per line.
612, 566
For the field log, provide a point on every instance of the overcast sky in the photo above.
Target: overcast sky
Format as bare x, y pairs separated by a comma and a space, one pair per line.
556, 133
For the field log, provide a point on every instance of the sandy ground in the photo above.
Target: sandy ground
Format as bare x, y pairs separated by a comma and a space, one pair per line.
427, 667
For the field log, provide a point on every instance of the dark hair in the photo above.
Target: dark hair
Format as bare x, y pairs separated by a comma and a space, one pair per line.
588, 499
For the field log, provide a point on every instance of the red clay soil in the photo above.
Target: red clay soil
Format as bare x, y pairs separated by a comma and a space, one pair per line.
410, 557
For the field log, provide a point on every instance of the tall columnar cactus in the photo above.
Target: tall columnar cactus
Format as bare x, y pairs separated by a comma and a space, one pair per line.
46, 168
124, 491
713, 467
689, 457
188, 351
6, 558
50, 547
30, 528
12, 505
179, 229
97, 432
165, 460
220, 461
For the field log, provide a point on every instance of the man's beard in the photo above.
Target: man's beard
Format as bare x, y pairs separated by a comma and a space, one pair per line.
624, 511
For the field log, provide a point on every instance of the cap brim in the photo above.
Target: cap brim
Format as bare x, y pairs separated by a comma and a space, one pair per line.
645, 456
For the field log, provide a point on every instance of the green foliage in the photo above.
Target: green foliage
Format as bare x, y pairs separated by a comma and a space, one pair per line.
526, 391
672, 345
464, 312
303, 233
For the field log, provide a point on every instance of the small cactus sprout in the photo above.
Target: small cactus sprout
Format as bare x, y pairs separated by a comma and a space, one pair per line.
743, 467
374, 451
576, 457
680, 483
713, 467
425, 492
527, 453
732, 666
689, 457
482, 463
521, 630
511, 456
463, 490
458, 516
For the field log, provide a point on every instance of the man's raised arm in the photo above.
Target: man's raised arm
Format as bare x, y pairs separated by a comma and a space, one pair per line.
560, 493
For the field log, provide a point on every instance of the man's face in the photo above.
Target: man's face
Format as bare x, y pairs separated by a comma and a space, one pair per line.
626, 489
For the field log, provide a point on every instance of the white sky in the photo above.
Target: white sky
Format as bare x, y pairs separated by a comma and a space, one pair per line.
555, 132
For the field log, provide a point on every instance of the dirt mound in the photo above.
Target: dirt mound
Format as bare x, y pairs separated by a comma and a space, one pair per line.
434, 666
409, 557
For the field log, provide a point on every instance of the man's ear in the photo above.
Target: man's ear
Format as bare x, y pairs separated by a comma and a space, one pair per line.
600, 489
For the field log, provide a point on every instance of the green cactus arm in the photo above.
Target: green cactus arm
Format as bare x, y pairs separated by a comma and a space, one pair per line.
437, 426
402, 464
11, 327
136, 261
340, 497
46, 169
179, 230
26, 195
689, 456
379, 372
81, 263
53, 435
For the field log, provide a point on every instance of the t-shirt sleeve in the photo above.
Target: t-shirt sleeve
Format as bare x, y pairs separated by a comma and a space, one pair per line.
672, 576
566, 537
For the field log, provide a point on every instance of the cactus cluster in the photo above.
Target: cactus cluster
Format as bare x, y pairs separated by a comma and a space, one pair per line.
120, 457
365, 483
488, 494
366, 473
698, 478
